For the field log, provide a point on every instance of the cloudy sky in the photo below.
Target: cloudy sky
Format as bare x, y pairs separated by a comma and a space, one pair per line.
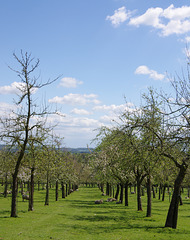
108, 52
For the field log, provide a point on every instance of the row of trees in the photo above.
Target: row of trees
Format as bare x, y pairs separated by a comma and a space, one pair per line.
149, 145
30, 148
43, 166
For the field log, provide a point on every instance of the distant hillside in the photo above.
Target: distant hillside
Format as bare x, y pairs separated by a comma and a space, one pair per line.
72, 150
77, 150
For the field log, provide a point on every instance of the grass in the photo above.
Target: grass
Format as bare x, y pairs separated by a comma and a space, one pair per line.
78, 218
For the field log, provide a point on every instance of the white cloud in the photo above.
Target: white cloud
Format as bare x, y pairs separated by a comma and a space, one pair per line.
120, 15
80, 111
69, 82
170, 20
113, 107
144, 70
150, 17
6, 109
76, 99
14, 88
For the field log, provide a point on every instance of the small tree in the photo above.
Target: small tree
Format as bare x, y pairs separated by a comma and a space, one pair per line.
17, 128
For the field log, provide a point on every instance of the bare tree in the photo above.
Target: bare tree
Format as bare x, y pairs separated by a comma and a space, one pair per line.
28, 118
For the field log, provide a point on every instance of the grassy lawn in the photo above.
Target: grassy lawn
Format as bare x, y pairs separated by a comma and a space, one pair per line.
78, 218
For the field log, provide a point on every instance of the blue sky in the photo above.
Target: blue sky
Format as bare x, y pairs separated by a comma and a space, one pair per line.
104, 50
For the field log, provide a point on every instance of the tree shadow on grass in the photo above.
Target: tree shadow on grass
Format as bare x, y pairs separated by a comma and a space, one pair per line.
4, 213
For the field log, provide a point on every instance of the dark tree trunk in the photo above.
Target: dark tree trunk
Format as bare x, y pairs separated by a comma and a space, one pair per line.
66, 191
69, 188
126, 193
117, 192
22, 190
110, 191
121, 193
47, 190
163, 193
148, 213
14, 196
102, 187
180, 200
171, 220
135, 188
56, 190
6, 186
153, 192
139, 203
31, 191
107, 188
160, 191
63, 190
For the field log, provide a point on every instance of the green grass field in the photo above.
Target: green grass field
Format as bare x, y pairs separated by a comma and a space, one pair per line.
78, 218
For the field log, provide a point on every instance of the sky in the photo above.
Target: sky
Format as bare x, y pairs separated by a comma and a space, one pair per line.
106, 53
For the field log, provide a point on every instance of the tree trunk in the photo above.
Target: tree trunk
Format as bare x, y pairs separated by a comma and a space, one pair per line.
139, 204
126, 193
117, 192
148, 213
31, 191
66, 191
171, 220
163, 193
14, 196
102, 187
107, 188
47, 190
121, 193
56, 190
6, 186
160, 191
110, 191
153, 192
63, 190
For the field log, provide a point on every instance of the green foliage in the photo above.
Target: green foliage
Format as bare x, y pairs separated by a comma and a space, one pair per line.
78, 218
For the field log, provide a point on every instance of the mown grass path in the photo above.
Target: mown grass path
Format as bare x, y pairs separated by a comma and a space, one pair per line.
78, 218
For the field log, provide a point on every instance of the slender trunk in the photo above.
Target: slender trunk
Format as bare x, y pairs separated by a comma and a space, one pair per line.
117, 192
6, 186
22, 190
47, 190
171, 220
153, 192
56, 190
110, 191
148, 213
139, 203
163, 193
188, 192
121, 193
126, 193
160, 191
66, 191
107, 189
69, 188
14, 196
63, 190
31, 191
102, 187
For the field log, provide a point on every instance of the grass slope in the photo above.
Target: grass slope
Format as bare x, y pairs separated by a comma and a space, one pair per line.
78, 218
